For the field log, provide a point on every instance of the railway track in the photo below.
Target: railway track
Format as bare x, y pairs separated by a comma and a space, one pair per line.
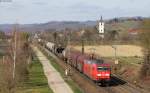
116, 85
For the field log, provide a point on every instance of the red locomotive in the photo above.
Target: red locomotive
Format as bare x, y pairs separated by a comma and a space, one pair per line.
95, 69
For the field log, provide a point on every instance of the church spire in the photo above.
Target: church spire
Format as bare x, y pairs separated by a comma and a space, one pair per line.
101, 19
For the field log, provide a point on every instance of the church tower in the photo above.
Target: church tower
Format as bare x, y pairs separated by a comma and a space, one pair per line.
101, 27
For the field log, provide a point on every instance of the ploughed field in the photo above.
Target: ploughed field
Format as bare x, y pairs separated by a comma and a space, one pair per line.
108, 51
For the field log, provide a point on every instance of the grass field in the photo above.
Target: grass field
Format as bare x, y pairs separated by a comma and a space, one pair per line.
131, 60
108, 51
37, 82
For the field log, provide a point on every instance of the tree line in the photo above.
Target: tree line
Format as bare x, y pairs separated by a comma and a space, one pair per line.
13, 74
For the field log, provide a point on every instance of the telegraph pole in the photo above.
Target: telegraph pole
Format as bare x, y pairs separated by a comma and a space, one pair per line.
14, 51
115, 53
69, 49
67, 71
82, 32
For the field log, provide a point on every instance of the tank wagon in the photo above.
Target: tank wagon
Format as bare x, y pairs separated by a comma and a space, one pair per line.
57, 49
50, 46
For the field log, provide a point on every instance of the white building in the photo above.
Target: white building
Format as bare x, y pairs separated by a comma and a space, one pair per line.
101, 26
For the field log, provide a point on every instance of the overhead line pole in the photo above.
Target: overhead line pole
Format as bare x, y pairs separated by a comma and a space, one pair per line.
15, 46
69, 51
82, 37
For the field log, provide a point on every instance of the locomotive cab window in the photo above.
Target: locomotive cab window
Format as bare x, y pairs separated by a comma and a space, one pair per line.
103, 68
99, 61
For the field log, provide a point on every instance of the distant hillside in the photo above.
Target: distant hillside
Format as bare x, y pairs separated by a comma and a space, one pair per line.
6, 27
50, 25
117, 23
123, 26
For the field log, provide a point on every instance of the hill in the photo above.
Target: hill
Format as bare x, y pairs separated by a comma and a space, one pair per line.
119, 23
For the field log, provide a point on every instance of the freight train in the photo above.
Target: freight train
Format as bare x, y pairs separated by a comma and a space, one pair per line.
94, 68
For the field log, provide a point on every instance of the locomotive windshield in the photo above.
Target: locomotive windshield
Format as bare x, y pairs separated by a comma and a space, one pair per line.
98, 61
103, 68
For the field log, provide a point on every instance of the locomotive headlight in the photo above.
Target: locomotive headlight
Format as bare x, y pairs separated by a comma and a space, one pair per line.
107, 74
99, 74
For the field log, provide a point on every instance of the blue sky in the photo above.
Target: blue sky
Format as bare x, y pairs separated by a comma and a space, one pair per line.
41, 11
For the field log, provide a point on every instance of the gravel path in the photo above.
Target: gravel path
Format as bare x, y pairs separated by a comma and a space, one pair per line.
55, 81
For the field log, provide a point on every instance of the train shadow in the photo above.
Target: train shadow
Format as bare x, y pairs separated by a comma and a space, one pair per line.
115, 81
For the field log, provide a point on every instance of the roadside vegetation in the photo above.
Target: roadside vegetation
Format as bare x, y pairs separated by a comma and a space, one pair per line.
20, 71
36, 82
15, 61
